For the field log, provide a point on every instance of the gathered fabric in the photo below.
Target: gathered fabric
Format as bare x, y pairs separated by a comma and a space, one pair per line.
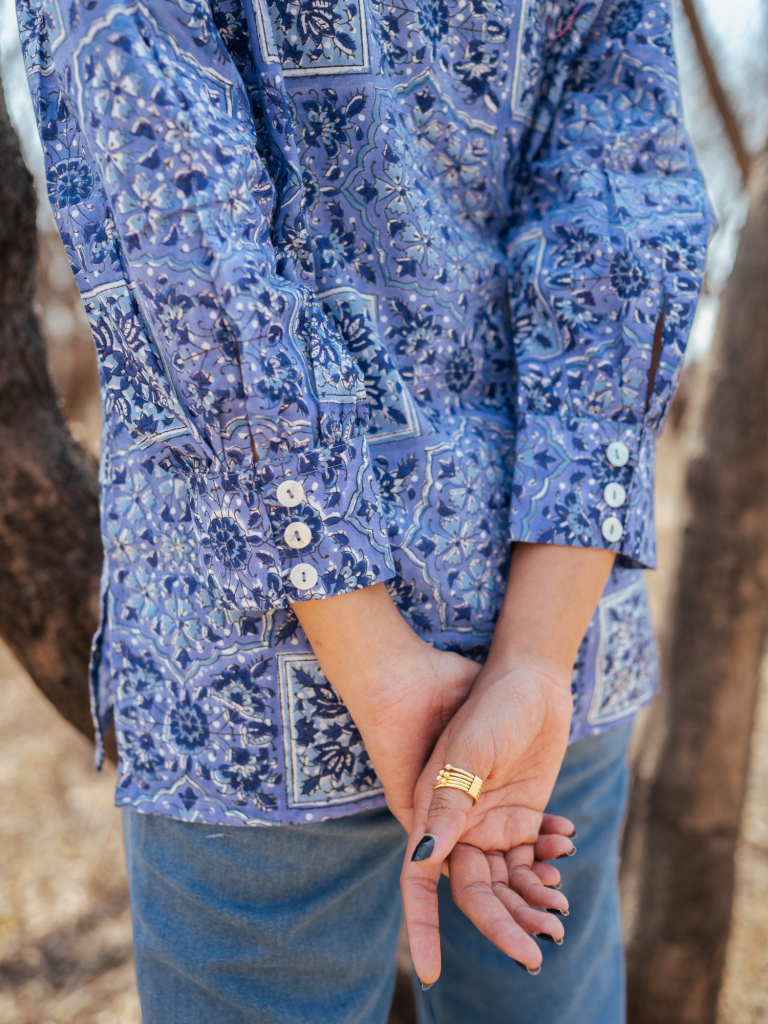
378, 289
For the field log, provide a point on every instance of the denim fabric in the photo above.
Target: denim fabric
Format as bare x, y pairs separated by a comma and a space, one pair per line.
299, 925
407, 259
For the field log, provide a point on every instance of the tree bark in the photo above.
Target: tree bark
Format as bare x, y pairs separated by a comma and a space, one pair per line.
685, 824
50, 546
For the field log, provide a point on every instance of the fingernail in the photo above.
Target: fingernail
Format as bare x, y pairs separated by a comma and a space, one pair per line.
533, 971
558, 886
426, 988
548, 938
424, 848
554, 910
569, 854
573, 834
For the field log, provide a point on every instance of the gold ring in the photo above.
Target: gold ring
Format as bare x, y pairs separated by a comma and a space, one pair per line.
454, 778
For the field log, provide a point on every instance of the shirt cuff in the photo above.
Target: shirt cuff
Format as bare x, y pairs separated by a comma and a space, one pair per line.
289, 531
586, 482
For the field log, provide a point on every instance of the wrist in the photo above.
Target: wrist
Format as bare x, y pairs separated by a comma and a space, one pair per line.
361, 641
507, 665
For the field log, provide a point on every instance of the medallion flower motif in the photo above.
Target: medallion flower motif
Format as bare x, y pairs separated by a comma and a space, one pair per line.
459, 370
188, 731
624, 18
228, 542
432, 21
69, 182
629, 277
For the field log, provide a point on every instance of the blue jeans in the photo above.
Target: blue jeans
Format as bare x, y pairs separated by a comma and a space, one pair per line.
299, 924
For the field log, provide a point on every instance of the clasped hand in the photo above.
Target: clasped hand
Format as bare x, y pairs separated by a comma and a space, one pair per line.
418, 708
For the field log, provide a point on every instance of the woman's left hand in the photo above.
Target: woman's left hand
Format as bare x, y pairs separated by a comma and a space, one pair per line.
512, 731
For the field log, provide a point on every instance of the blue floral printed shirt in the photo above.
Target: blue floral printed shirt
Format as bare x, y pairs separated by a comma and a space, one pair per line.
377, 287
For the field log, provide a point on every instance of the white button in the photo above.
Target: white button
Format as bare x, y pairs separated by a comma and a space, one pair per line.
290, 493
297, 535
614, 495
612, 529
303, 576
618, 453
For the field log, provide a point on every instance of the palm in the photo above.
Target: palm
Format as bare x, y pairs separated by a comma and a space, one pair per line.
513, 732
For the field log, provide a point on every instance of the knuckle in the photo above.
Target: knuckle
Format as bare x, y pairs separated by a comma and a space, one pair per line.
473, 890
444, 804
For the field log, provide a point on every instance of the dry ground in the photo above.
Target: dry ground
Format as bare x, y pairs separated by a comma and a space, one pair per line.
65, 941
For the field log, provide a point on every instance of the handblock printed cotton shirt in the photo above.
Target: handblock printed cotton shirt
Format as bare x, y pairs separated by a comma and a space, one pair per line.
377, 287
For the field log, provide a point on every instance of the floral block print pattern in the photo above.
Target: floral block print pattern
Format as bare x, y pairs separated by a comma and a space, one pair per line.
627, 667
242, 528
417, 257
326, 761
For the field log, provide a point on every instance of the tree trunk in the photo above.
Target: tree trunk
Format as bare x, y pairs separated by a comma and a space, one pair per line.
686, 823
50, 546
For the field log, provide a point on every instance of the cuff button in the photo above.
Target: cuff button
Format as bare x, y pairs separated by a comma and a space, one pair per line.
618, 453
614, 495
290, 493
297, 535
303, 576
612, 529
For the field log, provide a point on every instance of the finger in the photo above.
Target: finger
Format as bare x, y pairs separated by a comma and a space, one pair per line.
524, 878
554, 824
526, 883
547, 874
507, 890
422, 924
445, 824
427, 849
473, 892
553, 847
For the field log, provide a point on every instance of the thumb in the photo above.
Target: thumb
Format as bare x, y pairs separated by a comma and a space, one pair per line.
446, 822
432, 839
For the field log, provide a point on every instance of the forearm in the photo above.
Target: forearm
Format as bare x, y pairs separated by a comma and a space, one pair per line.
358, 638
552, 592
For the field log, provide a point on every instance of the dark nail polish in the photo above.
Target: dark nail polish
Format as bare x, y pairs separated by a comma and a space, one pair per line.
569, 854
558, 886
533, 971
426, 988
424, 848
573, 834
554, 910
548, 938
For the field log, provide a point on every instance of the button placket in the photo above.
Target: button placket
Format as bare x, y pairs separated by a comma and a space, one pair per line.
614, 493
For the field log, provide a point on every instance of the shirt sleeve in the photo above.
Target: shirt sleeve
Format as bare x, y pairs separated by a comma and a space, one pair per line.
215, 361
606, 266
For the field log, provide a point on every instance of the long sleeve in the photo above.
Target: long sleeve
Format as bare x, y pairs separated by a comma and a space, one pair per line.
606, 266
223, 368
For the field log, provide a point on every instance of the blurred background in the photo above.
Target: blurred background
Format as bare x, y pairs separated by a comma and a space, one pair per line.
64, 922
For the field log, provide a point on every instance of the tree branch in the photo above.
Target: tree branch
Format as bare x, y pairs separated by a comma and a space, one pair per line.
728, 116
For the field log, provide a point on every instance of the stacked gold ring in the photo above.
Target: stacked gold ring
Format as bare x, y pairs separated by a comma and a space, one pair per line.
455, 778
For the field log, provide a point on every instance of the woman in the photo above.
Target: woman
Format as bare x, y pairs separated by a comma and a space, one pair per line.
377, 289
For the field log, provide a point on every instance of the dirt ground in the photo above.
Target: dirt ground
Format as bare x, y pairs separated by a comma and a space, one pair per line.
65, 934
